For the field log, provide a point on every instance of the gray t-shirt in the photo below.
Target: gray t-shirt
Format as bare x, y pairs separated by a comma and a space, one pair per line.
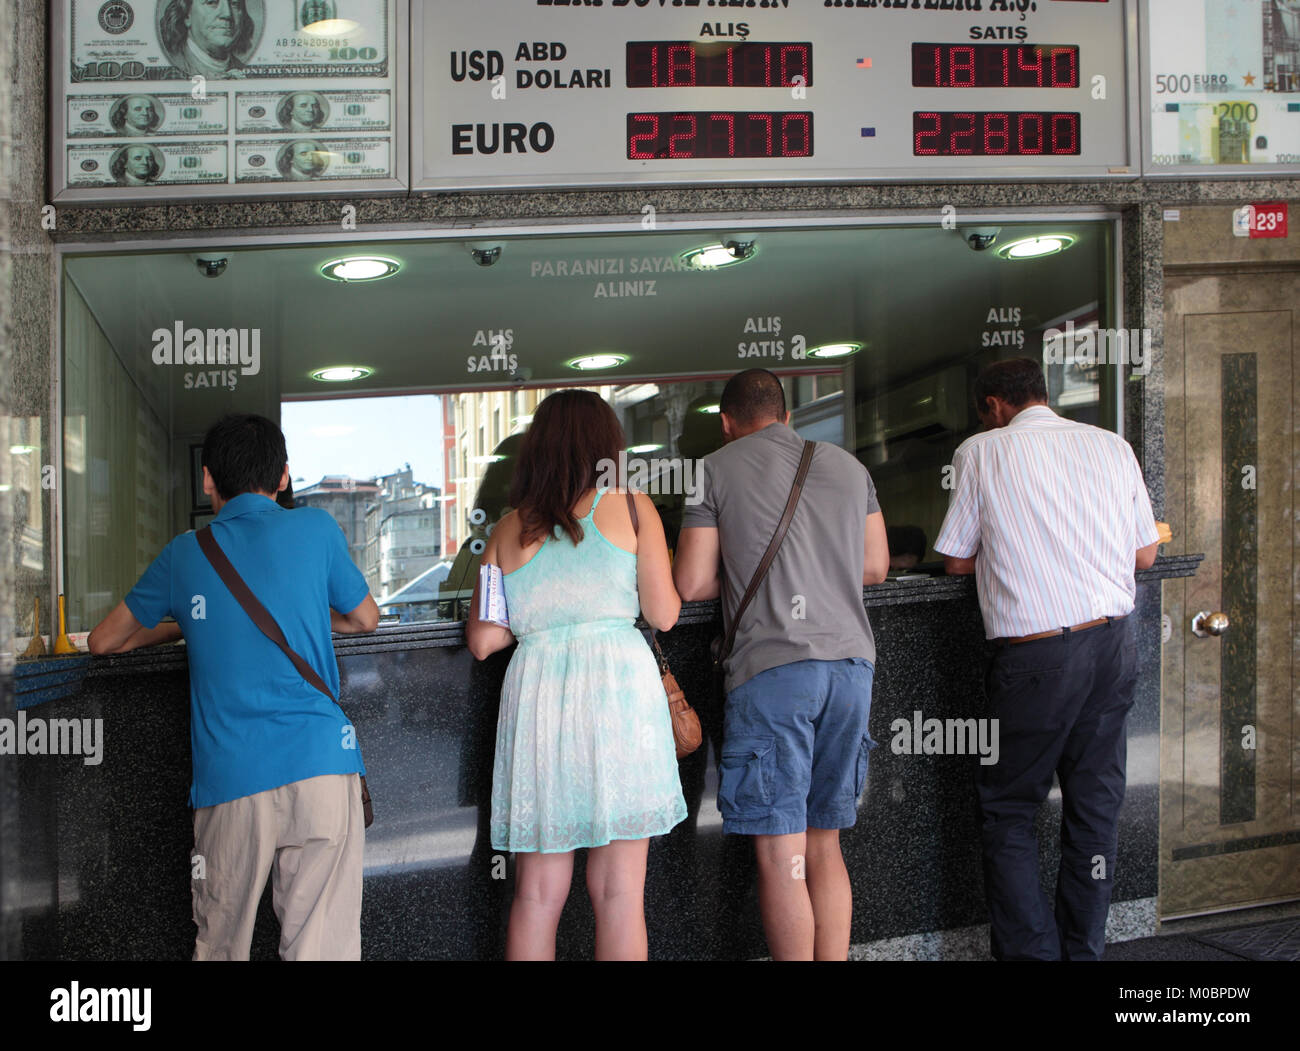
809, 607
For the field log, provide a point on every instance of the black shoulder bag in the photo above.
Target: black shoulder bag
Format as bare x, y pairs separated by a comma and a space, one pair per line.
261, 616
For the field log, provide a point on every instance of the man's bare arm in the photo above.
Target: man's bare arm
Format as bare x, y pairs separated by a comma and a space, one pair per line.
697, 564
114, 632
958, 567
362, 619
875, 555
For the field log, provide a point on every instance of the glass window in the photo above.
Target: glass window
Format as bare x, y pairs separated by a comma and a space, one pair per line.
877, 334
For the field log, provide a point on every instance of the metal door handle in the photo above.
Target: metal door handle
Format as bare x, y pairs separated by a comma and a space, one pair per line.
1206, 624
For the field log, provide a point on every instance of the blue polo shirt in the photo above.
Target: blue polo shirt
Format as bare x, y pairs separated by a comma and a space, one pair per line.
255, 723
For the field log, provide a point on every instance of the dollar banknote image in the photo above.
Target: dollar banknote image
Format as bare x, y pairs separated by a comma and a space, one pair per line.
311, 160
312, 112
145, 115
147, 164
1225, 82
227, 39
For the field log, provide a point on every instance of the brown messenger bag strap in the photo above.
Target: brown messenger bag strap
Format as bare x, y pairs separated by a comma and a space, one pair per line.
654, 637
258, 613
769, 556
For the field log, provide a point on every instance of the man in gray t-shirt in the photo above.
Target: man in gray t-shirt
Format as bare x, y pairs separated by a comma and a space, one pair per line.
798, 680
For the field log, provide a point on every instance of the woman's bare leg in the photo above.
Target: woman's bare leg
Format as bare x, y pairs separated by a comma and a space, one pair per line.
616, 882
541, 889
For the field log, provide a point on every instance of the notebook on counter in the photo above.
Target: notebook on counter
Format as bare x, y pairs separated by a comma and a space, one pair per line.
492, 595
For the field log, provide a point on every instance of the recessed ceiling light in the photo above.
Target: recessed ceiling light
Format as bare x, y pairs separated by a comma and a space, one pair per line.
342, 373
711, 409
713, 256
835, 350
332, 27
1036, 247
641, 450
593, 362
360, 268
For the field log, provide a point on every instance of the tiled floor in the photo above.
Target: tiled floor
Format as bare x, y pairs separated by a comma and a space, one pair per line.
1271, 933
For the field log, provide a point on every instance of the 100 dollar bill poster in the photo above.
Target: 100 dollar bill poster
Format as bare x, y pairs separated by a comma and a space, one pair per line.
190, 98
1222, 86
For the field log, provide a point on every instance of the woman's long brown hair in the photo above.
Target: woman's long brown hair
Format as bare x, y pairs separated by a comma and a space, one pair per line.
571, 433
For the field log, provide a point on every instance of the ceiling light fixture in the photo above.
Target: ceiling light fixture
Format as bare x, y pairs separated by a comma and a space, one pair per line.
718, 254
712, 410
594, 362
342, 373
641, 450
835, 350
360, 268
1036, 247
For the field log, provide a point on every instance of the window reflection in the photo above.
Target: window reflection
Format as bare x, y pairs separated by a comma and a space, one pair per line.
876, 332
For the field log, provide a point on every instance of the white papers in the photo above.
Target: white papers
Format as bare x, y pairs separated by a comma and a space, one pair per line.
492, 595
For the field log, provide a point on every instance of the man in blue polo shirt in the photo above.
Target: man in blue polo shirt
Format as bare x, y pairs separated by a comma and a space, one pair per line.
276, 763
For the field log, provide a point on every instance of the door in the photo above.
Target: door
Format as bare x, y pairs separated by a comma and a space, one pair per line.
1229, 826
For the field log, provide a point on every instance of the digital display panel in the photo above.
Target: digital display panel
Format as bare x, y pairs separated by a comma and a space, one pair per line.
539, 93
995, 66
658, 136
996, 134
692, 64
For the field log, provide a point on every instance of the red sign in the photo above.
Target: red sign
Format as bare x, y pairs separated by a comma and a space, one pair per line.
1266, 219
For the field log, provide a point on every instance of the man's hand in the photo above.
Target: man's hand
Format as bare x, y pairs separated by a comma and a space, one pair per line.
697, 563
362, 619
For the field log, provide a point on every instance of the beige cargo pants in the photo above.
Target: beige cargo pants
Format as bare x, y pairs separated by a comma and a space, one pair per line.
309, 836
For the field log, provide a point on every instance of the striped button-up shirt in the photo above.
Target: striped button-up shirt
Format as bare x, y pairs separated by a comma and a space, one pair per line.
1054, 513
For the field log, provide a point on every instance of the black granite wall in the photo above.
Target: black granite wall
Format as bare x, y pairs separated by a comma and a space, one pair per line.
111, 842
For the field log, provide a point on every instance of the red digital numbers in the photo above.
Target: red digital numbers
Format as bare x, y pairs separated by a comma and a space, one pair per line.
683, 136
731, 64
996, 134
995, 66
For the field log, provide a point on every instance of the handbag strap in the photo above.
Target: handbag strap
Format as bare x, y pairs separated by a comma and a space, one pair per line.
769, 556
654, 637
258, 613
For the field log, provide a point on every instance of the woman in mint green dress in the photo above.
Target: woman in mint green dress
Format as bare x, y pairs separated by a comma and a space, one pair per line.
584, 747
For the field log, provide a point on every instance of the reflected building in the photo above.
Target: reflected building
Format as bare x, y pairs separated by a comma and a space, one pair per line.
403, 533
346, 499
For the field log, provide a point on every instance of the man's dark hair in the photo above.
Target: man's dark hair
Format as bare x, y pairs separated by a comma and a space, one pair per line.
244, 454
753, 396
173, 33
1018, 382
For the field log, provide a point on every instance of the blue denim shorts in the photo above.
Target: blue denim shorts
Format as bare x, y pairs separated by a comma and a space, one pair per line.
794, 748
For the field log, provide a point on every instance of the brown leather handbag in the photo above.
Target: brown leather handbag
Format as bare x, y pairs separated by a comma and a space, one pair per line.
261, 616
687, 734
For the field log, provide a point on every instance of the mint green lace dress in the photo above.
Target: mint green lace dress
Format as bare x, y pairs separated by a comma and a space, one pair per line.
584, 749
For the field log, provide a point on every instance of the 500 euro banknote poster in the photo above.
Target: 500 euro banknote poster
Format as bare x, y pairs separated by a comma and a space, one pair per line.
191, 83
1224, 82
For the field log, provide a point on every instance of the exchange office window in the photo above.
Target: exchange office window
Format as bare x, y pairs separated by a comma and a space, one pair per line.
404, 391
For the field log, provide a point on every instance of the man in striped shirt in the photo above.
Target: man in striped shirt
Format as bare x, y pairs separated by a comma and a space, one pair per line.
1053, 518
